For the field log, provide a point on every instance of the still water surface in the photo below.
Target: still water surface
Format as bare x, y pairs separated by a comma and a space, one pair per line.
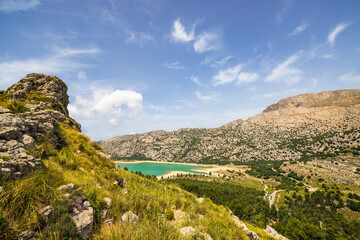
157, 169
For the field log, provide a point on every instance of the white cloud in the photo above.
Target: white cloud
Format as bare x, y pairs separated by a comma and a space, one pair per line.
285, 73
246, 77
234, 74
195, 80
18, 5
206, 42
108, 105
336, 31
67, 52
299, 29
228, 75
206, 98
179, 33
350, 77
81, 75
224, 60
61, 61
139, 38
174, 65
286, 6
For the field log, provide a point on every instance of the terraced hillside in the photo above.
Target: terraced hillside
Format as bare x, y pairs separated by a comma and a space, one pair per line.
301, 127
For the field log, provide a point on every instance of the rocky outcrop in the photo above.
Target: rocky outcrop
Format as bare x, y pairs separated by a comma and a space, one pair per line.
30, 112
320, 124
80, 211
274, 233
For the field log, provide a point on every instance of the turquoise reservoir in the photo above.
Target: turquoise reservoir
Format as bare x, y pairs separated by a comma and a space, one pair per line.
157, 169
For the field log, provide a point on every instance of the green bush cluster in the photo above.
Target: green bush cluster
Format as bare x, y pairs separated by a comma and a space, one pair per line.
17, 107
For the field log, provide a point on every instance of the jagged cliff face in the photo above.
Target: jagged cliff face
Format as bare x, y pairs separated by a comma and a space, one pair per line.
30, 112
300, 127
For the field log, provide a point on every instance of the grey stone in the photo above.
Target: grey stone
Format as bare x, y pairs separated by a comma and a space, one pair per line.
129, 217
28, 141
187, 230
274, 233
46, 211
84, 222
108, 202
66, 187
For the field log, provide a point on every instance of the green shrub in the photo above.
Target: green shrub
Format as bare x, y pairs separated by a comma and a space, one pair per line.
5, 158
169, 214
17, 107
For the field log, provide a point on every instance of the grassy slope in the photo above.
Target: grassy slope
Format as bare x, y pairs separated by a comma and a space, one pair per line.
77, 162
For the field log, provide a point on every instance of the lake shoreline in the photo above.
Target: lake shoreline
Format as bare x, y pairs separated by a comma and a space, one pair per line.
213, 168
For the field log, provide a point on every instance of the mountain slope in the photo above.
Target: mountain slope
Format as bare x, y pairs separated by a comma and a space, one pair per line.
75, 191
301, 127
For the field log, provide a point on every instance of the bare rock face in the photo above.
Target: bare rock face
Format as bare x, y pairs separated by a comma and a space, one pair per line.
43, 104
129, 217
324, 123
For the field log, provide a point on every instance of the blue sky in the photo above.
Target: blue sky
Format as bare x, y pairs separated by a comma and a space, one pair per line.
134, 66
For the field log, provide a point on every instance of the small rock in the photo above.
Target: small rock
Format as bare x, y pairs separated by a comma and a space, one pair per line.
200, 200
46, 211
125, 191
129, 217
1, 189
28, 141
104, 213
109, 222
187, 230
86, 205
66, 187
84, 222
108, 202
28, 234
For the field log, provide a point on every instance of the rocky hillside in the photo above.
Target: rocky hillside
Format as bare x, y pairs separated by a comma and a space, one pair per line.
30, 112
301, 127
56, 183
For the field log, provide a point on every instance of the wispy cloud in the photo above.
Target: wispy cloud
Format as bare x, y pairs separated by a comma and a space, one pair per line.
68, 52
174, 65
179, 33
336, 31
17, 5
110, 105
234, 74
81, 75
224, 60
246, 77
285, 72
208, 97
286, 5
139, 38
299, 29
195, 80
228, 75
206, 42
58, 62
350, 77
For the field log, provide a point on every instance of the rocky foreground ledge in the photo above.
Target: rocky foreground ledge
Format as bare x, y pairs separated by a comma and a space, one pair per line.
30, 112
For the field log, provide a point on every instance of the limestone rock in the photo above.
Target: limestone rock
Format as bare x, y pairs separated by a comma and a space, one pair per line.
129, 217
66, 187
46, 98
84, 221
274, 233
252, 235
200, 200
28, 234
187, 230
46, 211
108, 202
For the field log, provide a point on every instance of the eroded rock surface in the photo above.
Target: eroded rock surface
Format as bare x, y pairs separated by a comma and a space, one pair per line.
44, 101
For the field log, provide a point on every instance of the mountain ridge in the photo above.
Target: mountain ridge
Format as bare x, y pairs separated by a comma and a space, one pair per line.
301, 116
